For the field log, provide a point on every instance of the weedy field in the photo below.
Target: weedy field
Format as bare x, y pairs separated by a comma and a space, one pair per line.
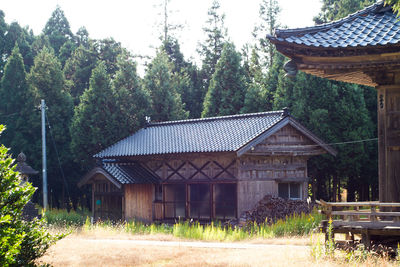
285, 243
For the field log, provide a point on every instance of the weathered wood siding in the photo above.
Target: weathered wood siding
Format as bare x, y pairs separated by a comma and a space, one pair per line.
139, 201
282, 157
389, 141
194, 167
251, 192
278, 168
287, 141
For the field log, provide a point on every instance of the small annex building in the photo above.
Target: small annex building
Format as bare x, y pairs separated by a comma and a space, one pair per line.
205, 169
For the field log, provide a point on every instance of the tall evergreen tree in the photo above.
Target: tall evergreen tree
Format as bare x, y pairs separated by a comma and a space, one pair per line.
133, 100
187, 78
268, 14
108, 51
18, 35
167, 102
226, 93
17, 109
211, 48
96, 119
78, 69
57, 29
337, 9
256, 98
82, 37
3, 31
47, 79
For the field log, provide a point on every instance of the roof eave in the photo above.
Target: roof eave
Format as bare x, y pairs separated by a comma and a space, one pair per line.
270, 131
98, 170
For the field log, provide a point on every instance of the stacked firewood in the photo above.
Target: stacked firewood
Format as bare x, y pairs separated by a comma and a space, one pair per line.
270, 209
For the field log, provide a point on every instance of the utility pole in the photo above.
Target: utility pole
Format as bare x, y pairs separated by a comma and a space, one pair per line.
43, 108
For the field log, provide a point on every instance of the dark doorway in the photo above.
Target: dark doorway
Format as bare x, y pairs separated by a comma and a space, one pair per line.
224, 201
107, 207
199, 201
174, 201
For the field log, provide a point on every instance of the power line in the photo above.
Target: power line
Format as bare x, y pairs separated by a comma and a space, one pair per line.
9, 115
343, 143
353, 142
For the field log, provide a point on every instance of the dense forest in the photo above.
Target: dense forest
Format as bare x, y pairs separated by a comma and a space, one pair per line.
95, 97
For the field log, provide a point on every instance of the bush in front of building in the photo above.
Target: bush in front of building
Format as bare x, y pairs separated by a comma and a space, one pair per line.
21, 242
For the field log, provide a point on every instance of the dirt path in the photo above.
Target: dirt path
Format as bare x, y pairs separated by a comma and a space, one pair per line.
87, 251
194, 244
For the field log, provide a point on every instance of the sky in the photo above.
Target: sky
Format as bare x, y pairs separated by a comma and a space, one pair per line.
134, 22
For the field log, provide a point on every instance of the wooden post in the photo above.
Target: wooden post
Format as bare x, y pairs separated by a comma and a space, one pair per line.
389, 141
93, 204
366, 240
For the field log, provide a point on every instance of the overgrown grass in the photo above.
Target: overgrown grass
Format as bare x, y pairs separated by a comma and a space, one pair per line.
322, 252
63, 218
296, 225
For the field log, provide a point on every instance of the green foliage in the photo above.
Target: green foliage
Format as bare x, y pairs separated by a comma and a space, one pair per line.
336, 112
225, 95
17, 107
21, 242
20, 36
47, 79
258, 96
159, 81
58, 30
296, 225
132, 99
268, 14
97, 118
337, 9
187, 78
211, 49
64, 218
78, 69
395, 5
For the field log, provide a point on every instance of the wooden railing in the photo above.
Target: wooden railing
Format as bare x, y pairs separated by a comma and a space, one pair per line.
370, 215
375, 221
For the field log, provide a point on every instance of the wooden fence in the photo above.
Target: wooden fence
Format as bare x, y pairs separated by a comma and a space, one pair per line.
372, 220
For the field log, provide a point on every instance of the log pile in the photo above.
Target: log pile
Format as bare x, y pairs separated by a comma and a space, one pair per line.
272, 208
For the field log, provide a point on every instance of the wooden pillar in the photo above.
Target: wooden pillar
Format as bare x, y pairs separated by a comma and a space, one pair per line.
389, 142
93, 199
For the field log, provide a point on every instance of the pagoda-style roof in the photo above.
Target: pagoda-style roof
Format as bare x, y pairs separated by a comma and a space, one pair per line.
352, 49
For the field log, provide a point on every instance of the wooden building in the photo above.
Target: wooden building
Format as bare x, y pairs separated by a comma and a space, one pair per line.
211, 168
363, 48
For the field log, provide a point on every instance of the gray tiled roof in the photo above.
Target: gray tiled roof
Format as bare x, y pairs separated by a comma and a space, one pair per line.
132, 173
217, 134
374, 25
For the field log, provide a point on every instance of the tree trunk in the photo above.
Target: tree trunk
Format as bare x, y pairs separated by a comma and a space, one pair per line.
334, 195
351, 190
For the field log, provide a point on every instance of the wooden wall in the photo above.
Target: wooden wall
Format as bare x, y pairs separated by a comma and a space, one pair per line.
251, 192
282, 157
194, 167
287, 141
139, 201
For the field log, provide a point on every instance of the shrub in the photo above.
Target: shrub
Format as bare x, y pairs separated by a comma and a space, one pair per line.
21, 242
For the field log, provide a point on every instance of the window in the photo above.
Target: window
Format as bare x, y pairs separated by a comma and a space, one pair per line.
289, 190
